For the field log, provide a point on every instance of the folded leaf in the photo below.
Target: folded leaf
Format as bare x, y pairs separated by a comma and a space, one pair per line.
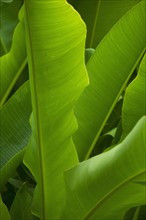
106, 186
134, 106
109, 68
15, 132
55, 45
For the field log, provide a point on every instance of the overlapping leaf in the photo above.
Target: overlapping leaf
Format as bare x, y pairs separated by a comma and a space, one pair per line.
109, 68
106, 186
100, 16
15, 132
12, 64
134, 106
55, 46
8, 21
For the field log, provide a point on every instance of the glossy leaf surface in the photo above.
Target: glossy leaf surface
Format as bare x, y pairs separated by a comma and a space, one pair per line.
55, 47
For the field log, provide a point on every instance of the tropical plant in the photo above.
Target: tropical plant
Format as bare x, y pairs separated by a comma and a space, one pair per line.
72, 119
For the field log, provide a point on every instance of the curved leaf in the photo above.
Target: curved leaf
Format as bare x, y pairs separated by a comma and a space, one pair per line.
134, 106
8, 21
15, 132
12, 63
106, 186
109, 68
55, 45
100, 16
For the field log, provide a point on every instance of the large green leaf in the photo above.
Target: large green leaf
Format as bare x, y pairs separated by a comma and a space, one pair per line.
12, 64
134, 106
8, 21
100, 16
106, 186
15, 132
55, 45
109, 68
4, 214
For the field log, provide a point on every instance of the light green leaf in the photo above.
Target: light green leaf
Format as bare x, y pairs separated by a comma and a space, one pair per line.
4, 214
55, 45
21, 206
104, 187
15, 132
134, 106
100, 16
8, 21
109, 68
12, 64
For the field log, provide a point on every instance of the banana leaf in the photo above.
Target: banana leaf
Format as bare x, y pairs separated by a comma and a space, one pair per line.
134, 106
109, 69
8, 21
106, 186
100, 16
15, 132
55, 38
12, 63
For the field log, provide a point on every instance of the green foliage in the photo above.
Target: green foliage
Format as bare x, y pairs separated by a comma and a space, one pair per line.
86, 203
107, 81
100, 16
72, 138
8, 21
14, 136
23, 200
134, 106
13, 63
4, 214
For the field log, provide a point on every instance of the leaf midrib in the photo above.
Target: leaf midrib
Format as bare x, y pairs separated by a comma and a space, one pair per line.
37, 115
110, 194
112, 106
95, 23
